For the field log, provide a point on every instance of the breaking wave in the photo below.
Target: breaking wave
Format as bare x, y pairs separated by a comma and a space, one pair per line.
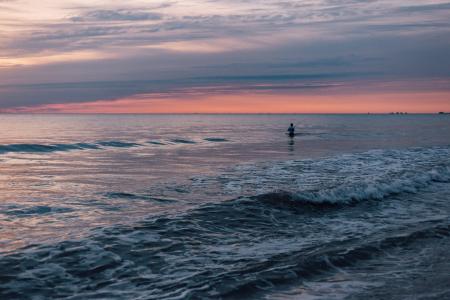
359, 191
216, 251
42, 148
59, 147
47, 148
253, 242
342, 179
307, 263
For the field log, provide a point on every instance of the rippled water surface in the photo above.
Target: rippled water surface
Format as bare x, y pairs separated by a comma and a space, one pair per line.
224, 206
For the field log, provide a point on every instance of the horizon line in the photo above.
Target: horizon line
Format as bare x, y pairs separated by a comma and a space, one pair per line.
228, 113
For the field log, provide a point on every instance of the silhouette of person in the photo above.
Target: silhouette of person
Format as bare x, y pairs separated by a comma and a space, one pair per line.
291, 130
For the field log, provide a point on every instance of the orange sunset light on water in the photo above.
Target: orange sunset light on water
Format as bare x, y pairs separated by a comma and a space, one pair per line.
430, 102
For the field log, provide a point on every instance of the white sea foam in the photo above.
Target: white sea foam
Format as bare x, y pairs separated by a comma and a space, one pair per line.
346, 178
376, 189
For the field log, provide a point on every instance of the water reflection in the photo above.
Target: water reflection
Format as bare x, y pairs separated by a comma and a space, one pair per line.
56, 170
291, 144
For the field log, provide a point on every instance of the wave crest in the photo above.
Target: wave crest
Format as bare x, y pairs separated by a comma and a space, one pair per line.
359, 191
48, 148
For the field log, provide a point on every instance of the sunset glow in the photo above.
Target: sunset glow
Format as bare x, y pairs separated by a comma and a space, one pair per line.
245, 57
259, 103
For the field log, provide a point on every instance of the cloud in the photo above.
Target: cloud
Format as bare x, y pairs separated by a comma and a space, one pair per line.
425, 8
66, 92
117, 15
108, 49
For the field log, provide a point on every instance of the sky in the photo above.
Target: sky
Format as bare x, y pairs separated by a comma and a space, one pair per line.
224, 56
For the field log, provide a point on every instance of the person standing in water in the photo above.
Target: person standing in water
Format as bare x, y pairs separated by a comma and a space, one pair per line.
291, 130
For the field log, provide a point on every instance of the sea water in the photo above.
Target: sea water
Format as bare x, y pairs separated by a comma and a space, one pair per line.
224, 206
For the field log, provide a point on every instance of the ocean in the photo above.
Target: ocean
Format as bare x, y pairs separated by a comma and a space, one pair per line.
224, 207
